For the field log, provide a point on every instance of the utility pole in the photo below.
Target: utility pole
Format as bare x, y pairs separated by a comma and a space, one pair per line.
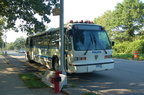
62, 34
4, 50
62, 45
3, 46
5, 43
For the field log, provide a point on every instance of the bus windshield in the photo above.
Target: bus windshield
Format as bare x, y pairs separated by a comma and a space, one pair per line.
91, 40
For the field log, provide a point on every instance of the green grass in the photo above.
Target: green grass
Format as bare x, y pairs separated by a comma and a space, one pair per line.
73, 84
2, 54
127, 56
32, 81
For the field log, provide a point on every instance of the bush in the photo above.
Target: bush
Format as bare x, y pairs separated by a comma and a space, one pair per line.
141, 57
127, 56
129, 47
123, 56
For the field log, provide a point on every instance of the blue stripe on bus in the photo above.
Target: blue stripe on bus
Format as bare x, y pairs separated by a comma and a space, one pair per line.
43, 56
47, 47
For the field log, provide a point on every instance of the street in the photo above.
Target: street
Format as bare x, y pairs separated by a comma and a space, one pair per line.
127, 78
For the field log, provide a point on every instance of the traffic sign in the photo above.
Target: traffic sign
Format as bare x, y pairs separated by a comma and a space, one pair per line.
56, 12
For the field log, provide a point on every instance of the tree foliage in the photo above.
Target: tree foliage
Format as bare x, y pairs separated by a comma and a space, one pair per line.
10, 46
128, 17
1, 30
25, 10
19, 43
105, 21
124, 21
1, 23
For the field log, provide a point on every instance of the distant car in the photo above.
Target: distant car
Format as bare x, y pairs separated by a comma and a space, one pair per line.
21, 51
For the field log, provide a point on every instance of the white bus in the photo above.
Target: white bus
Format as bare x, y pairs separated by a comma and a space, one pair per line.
87, 48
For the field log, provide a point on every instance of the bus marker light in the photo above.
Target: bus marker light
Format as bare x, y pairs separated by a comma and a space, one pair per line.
88, 21
71, 21
81, 21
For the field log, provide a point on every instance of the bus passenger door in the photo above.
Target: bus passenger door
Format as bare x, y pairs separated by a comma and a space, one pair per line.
68, 51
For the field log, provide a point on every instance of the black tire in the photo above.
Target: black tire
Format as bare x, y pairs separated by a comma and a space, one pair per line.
27, 57
55, 63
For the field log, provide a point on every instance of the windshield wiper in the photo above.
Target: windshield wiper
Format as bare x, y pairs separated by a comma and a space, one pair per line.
88, 45
95, 41
102, 47
87, 49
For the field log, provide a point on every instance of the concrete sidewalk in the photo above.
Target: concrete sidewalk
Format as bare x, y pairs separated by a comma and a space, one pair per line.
11, 84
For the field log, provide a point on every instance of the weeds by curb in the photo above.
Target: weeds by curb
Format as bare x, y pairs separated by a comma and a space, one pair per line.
32, 81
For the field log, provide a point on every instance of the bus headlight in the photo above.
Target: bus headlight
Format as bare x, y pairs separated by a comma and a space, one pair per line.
79, 58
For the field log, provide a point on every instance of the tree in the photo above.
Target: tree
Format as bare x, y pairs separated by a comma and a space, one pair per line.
25, 10
20, 43
105, 20
10, 46
1, 23
1, 30
128, 18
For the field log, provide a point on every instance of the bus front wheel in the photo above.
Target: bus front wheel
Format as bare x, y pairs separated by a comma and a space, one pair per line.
27, 57
55, 63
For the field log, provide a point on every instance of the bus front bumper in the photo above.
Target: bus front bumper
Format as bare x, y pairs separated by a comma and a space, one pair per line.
86, 68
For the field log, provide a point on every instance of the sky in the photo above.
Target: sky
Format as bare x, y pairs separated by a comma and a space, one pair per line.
75, 10
84, 10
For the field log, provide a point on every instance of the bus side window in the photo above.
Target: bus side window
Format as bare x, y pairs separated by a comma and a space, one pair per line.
57, 39
29, 42
68, 43
67, 39
48, 39
68, 33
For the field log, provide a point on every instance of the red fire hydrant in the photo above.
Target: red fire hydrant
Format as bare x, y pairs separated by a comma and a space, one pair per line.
56, 79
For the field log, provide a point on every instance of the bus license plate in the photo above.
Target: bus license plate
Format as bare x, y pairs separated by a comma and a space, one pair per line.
99, 66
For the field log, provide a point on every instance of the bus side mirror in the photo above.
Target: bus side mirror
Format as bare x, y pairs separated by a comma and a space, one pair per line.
112, 43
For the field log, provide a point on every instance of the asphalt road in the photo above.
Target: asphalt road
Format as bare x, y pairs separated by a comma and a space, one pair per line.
127, 78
